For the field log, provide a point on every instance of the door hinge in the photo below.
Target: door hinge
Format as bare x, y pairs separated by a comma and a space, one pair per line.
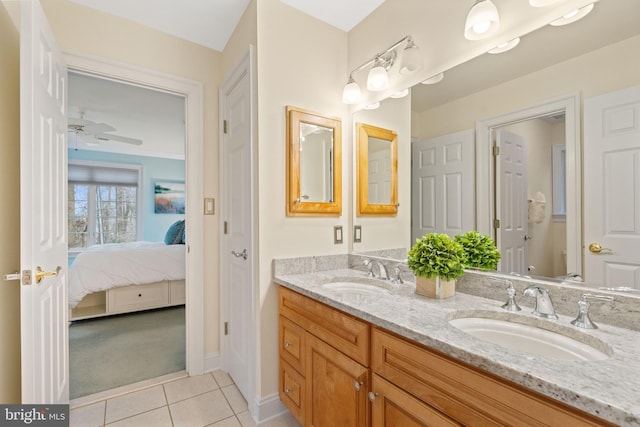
496, 150
225, 227
224, 126
226, 328
496, 223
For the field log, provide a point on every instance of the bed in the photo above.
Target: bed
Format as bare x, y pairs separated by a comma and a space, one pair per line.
124, 277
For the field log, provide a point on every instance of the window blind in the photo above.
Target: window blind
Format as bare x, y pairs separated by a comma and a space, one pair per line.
102, 175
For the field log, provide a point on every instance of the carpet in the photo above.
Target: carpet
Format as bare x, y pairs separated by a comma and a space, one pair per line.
118, 350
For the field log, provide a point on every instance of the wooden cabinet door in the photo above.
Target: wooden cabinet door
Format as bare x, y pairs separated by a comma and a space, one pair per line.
393, 407
337, 387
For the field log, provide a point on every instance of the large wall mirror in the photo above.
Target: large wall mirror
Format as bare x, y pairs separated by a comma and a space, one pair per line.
580, 61
314, 164
376, 170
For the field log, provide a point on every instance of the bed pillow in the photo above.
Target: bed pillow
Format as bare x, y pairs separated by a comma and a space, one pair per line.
175, 234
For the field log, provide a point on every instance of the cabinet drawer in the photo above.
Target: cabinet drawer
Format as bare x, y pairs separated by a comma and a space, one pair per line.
344, 332
292, 343
132, 298
465, 393
292, 390
177, 293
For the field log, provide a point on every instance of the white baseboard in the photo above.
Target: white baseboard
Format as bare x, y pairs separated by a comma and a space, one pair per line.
267, 408
212, 362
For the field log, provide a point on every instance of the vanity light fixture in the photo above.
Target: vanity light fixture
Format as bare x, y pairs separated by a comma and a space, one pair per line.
573, 16
400, 94
542, 3
433, 80
504, 47
482, 21
378, 77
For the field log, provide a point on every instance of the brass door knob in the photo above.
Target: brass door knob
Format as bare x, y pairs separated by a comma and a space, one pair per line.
596, 248
42, 274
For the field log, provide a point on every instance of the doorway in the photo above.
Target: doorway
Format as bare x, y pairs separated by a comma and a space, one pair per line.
192, 94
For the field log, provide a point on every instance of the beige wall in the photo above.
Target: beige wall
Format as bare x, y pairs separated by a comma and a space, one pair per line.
10, 215
86, 31
301, 62
604, 70
245, 34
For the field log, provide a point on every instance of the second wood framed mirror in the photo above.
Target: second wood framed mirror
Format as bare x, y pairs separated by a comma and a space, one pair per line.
314, 164
376, 171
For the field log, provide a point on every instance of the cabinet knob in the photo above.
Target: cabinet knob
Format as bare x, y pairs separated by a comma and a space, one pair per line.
357, 384
287, 390
372, 396
287, 344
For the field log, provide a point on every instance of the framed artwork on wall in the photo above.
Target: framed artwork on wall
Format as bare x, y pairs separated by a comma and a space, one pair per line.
169, 197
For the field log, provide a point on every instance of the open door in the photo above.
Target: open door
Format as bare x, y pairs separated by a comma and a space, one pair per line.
511, 201
43, 205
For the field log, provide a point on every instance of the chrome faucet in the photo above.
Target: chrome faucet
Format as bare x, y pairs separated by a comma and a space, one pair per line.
382, 270
583, 320
511, 304
544, 305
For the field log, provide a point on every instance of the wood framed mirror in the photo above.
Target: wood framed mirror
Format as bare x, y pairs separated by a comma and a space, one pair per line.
314, 164
376, 171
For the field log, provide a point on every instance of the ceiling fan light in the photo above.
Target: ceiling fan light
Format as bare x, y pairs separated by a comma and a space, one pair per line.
573, 16
482, 21
378, 79
542, 3
351, 94
411, 58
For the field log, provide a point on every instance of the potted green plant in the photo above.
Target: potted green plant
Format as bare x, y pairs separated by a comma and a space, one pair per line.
436, 260
480, 250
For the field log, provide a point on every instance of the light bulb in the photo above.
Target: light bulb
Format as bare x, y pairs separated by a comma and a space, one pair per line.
377, 79
482, 21
351, 94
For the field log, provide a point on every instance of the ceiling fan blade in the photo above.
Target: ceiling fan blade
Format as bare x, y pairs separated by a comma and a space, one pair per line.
98, 128
110, 137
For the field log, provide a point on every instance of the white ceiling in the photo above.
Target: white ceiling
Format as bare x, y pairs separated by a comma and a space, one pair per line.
210, 23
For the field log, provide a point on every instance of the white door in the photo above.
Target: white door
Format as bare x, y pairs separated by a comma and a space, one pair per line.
511, 200
43, 206
237, 251
379, 174
443, 185
612, 188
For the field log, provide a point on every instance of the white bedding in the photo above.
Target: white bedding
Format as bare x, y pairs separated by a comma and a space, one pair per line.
103, 267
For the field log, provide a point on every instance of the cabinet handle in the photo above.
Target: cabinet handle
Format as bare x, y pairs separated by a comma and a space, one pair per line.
287, 344
372, 396
357, 384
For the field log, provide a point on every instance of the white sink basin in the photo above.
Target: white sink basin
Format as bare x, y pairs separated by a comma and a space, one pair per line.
356, 288
528, 339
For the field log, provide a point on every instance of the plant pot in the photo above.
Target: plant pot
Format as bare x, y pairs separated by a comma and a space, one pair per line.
435, 287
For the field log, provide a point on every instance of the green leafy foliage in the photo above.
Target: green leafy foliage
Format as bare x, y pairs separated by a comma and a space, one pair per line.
436, 255
479, 249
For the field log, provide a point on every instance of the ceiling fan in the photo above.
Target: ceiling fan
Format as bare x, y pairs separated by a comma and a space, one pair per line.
82, 126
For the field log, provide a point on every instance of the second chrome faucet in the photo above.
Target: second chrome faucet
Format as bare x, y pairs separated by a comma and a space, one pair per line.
544, 305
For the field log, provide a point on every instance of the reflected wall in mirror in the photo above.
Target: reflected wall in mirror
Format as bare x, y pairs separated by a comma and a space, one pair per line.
585, 59
376, 171
314, 164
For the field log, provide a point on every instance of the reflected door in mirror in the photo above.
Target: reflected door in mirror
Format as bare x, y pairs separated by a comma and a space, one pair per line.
379, 171
316, 163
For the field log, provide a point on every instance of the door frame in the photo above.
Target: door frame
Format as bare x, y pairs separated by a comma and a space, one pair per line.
194, 119
485, 211
246, 65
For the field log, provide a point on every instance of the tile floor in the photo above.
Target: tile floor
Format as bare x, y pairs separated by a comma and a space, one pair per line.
210, 400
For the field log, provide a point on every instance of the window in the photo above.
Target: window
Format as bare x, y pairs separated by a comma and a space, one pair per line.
103, 204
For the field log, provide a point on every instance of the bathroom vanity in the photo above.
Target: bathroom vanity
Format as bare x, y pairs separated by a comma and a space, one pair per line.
358, 358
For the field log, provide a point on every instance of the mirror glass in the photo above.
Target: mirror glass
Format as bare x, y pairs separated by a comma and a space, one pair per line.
376, 170
584, 59
314, 164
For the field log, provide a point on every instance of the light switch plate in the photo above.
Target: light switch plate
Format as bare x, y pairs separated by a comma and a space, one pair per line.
209, 206
357, 234
337, 234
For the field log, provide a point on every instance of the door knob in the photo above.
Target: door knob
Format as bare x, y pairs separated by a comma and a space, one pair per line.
242, 254
596, 248
42, 274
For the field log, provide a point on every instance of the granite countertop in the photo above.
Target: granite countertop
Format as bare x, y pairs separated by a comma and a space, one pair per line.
609, 389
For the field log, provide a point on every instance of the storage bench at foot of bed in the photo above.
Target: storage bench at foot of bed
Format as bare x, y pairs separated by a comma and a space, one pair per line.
130, 298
